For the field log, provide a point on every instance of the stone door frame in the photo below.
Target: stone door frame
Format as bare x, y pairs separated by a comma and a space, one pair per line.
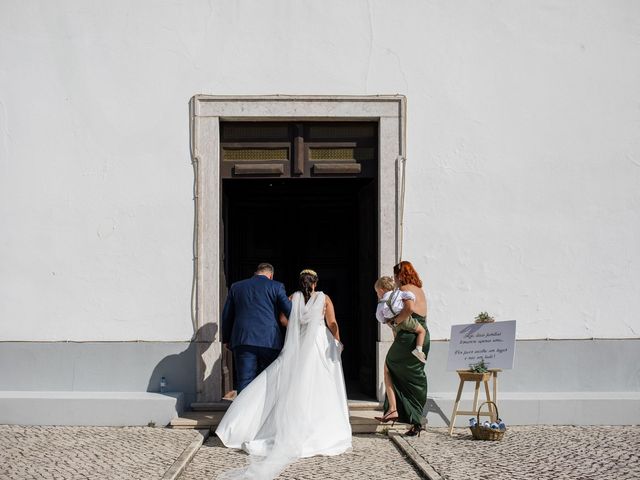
206, 112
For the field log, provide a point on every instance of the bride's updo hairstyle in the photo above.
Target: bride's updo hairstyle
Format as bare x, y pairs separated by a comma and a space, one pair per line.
406, 274
308, 278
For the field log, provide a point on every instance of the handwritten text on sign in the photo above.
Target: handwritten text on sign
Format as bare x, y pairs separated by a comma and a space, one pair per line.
492, 342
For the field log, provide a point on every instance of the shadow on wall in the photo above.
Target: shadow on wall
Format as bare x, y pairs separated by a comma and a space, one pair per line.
181, 370
432, 407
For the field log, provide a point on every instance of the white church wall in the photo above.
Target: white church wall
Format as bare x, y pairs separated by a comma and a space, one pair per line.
523, 152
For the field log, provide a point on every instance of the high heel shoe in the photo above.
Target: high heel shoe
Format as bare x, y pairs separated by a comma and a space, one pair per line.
414, 430
388, 417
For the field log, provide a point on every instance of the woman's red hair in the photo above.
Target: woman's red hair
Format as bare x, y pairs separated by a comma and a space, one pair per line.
406, 274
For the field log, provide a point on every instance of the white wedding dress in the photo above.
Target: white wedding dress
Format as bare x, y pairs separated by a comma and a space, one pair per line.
297, 407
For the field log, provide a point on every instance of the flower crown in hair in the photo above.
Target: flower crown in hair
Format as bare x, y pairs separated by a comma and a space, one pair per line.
308, 271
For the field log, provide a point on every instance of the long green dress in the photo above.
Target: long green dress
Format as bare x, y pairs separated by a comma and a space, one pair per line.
408, 375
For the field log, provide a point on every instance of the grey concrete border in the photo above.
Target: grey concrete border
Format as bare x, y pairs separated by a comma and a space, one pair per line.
185, 457
113, 366
420, 463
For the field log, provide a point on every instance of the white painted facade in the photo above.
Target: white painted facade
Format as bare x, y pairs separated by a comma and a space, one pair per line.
522, 146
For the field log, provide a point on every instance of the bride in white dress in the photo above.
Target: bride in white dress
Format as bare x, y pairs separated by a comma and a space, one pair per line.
297, 407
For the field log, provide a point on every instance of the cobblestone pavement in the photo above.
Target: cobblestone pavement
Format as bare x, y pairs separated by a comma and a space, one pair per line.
374, 457
97, 453
534, 452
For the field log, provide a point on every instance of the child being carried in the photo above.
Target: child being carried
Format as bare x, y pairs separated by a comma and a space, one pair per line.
390, 304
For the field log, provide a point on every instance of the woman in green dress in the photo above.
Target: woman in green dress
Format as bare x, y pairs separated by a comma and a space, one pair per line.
404, 376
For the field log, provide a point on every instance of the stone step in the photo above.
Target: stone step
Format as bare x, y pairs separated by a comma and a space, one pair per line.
197, 420
364, 405
224, 404
210, 406
362, 420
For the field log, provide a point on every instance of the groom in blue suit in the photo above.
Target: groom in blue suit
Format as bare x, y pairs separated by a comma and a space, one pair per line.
250, 323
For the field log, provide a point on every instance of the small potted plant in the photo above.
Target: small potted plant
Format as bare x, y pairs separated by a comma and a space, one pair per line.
479, 367
484, 317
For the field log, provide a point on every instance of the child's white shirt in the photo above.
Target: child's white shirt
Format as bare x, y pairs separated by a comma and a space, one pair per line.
391, 303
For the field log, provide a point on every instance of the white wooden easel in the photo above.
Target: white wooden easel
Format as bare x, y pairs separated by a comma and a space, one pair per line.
467, 376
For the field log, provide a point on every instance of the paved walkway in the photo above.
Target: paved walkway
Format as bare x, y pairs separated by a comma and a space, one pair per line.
533, 453
374, 457
72, 453
526, 453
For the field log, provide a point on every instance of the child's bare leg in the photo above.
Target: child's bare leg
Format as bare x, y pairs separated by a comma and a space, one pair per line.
422, 333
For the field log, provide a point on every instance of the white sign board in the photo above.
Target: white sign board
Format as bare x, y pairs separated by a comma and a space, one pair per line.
492, 342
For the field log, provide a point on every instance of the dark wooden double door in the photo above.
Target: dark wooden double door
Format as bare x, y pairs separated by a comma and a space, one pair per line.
329, 225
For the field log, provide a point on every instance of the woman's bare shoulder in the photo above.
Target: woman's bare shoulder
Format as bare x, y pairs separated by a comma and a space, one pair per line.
409, 288
417, 291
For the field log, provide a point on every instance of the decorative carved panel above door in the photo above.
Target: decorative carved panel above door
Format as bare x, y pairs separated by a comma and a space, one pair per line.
298, 150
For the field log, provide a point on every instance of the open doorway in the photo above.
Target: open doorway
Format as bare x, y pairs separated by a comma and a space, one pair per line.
328, 224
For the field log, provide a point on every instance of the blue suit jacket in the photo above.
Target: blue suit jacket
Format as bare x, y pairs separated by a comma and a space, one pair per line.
250, 314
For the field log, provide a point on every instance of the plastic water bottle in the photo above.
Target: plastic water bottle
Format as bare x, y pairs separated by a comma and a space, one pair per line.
163, 385
486, 424
494, 426
501, 425
473, 422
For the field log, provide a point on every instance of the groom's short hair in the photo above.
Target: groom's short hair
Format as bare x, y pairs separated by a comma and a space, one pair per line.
265, 267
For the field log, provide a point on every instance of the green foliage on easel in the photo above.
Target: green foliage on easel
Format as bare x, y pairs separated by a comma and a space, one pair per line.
479, 367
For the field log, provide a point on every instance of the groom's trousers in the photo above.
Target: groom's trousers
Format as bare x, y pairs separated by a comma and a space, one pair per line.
250, 361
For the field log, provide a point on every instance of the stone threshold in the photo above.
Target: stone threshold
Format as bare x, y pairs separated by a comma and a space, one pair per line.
224, 404
361, 417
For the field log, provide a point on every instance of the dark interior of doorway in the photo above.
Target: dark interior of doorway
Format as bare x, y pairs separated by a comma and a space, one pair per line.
327, 224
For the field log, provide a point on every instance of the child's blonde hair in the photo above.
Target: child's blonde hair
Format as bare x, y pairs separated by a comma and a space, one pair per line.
385, 283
